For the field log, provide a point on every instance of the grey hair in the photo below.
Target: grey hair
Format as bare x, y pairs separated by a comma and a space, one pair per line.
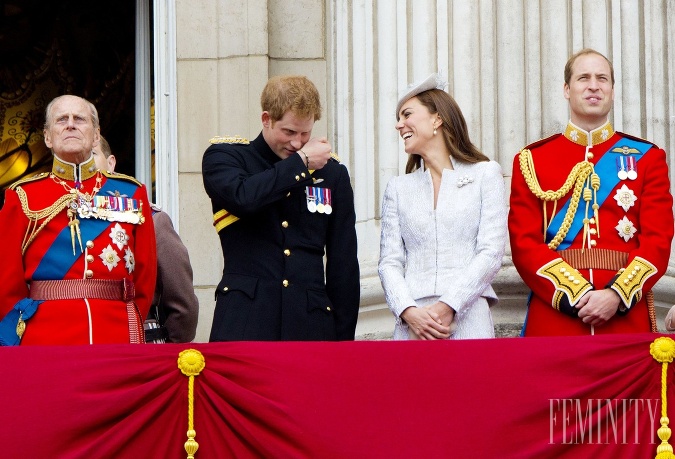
50, 106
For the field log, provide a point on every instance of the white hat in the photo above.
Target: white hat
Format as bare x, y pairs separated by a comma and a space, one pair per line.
433, 81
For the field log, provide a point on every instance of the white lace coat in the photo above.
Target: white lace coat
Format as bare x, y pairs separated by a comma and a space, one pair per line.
450, 254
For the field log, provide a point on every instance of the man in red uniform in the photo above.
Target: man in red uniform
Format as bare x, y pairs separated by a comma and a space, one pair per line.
591, 217
79, 259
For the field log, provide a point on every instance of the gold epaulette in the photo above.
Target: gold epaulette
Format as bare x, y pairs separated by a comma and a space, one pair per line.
117, 175
32, 178
335, 156
229, 139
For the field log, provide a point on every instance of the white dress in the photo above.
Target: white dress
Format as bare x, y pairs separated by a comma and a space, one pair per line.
450, 254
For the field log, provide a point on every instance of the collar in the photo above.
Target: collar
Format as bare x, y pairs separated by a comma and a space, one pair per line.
264, 150
69, 171
588, 139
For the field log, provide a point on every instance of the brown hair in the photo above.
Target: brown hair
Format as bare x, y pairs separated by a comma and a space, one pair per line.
584, 52
454, 130
290, 93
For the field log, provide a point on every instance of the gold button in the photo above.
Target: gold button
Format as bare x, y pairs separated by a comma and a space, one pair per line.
593, 231
90, 244
590, 155
594, 242
328, 308
285, 282
288, 194
284, 224
287, 253
297, 178
303, 175
90, 258
577, 282
89, 274
225, 289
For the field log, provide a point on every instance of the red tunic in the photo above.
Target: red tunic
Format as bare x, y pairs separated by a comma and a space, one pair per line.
634, 230
110, 250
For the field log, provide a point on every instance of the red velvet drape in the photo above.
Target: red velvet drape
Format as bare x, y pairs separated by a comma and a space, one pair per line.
577, 397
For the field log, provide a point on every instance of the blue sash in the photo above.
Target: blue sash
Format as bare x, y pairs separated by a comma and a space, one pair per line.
606, 170
59, 258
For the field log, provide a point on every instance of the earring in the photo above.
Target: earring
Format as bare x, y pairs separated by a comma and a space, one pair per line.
434, 131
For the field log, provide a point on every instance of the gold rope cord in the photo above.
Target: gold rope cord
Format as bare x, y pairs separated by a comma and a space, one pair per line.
191, 362
577, 178
663, 351
47, 213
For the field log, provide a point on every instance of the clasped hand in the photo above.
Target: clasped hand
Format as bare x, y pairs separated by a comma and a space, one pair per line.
598, 306
430, 322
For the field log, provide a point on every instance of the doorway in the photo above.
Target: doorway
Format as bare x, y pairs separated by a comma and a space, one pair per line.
75, 47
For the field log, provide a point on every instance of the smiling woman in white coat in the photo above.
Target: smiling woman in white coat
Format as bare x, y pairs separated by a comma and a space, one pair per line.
443, 223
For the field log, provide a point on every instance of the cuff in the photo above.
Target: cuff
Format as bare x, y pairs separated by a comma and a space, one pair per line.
629, 281
569, 285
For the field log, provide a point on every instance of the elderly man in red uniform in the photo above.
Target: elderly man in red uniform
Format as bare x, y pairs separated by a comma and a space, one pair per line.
79, 260
591, 218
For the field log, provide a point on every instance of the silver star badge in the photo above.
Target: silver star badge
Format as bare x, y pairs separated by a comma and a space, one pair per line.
625, 198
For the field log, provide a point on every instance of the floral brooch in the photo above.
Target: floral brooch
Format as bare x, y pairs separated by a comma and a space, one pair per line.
464, 180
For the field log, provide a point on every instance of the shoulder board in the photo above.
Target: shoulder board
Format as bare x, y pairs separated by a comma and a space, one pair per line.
335, 156
541, 142
639, 139
32, 178
116, 175
229, 139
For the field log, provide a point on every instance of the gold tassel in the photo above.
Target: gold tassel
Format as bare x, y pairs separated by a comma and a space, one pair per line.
595, 184
191, 362
587, 195
663, 351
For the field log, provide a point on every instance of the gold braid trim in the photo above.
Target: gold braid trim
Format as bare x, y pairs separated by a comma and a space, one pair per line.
577, 178
630, 281
566, 281
34, 216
